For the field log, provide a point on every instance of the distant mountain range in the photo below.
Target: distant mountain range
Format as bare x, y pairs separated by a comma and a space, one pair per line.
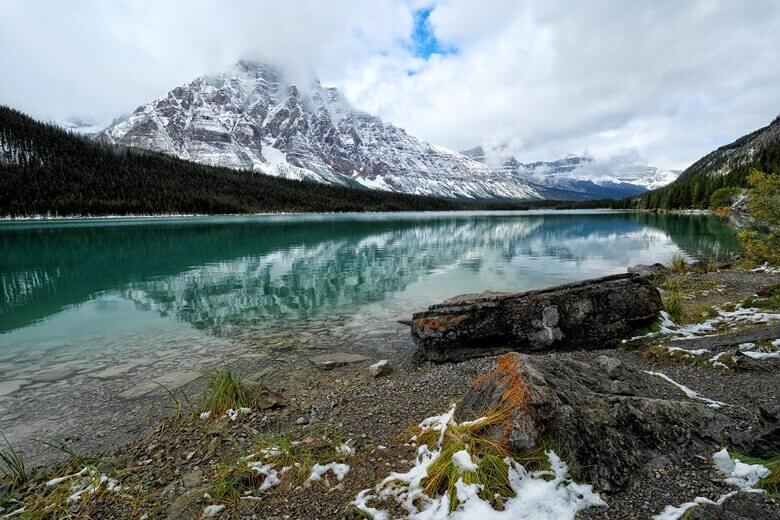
252, 118
580, 177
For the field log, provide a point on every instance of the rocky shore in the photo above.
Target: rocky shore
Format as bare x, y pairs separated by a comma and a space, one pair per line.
630, 424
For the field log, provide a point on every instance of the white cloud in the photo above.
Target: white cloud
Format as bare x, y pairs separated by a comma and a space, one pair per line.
670, 80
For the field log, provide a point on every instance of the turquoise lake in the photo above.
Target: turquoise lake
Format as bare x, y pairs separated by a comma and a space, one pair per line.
82, 284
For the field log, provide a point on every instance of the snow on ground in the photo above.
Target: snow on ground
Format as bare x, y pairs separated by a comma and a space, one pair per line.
687, 391
539, 495
739, 316
318, 470
738, 474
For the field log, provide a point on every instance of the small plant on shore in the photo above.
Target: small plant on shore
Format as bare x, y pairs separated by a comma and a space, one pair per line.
273, 460
768, 299
673, 305
12, 463
770, 483
678, 264
224, 390
491, 471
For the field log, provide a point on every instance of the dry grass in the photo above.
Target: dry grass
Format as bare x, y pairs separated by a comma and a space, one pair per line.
678, 264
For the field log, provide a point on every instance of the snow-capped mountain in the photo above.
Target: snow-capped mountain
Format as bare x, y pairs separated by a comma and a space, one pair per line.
252, 118
620, 176
81, 126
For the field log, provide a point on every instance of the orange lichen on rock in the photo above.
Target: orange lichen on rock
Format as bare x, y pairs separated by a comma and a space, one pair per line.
515, 399
440, 323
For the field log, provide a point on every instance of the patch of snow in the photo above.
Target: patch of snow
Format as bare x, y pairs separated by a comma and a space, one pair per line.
762, 355
212, 511
766, 268
687, 391
318, 470
345, 449
539, 495
737, 473
271, 475
676, 512
740, 315
462, 460
205, 415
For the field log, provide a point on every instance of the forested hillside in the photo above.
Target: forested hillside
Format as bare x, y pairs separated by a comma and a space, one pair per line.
45, 170
728, 166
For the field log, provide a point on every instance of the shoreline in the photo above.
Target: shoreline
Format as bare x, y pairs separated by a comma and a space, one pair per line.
98, 218
373, 414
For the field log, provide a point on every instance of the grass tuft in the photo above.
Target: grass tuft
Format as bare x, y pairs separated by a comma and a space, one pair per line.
678, 264
224, 390
12, 463
674, 306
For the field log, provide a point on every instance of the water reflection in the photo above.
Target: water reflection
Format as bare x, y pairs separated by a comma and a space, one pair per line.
219, 274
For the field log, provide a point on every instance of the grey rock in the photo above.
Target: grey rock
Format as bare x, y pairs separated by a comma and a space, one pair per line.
766, 443
261, 397
336, 359
593, 314
192, 478
186, 505
380, 368
610, 418
649, 271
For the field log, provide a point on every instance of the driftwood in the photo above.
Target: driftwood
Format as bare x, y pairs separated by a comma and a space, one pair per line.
592, 314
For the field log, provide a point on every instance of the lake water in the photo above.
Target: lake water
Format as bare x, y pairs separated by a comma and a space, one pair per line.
77, 284
103, 306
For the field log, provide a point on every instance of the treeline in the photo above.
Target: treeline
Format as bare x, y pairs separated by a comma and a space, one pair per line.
695, 191
47, 171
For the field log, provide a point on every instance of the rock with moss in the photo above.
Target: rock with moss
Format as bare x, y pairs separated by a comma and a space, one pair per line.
592, 314
608, 419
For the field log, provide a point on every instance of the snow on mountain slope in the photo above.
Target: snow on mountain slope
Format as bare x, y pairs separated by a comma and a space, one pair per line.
620, 176
251, 118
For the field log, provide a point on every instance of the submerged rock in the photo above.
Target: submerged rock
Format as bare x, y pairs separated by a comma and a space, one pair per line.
592, 314
609, 418
336, 359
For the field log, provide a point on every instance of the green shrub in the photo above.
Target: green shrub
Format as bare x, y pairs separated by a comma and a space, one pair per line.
724, 197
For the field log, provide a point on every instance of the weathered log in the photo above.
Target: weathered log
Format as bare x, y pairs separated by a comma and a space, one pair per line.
592, 314
607, 419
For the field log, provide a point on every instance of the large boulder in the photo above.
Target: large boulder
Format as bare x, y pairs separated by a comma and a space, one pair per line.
592, 314
608, 419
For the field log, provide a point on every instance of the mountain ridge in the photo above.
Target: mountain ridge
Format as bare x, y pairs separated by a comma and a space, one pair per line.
252, 118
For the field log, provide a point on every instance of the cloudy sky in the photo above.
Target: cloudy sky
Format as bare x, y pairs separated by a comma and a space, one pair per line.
669, 80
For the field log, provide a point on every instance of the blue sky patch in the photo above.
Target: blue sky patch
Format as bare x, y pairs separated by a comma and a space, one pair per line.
424, 41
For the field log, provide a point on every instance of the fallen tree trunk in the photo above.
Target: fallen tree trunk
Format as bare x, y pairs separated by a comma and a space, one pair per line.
592, 314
